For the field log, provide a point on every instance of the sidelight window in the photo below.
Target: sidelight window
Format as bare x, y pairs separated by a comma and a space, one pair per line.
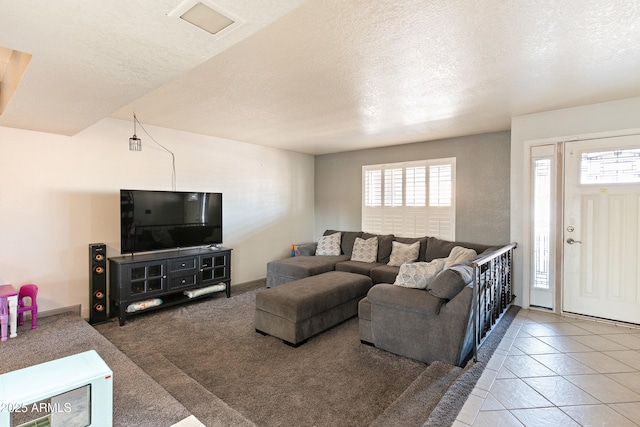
541, 223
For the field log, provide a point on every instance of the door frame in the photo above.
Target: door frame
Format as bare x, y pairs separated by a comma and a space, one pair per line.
527, 217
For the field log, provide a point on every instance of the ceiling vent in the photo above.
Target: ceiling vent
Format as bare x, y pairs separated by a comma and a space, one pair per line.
206, 16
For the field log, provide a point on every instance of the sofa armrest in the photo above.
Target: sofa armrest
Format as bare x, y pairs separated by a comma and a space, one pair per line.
404, 299
307, 249
459, 315
415, 324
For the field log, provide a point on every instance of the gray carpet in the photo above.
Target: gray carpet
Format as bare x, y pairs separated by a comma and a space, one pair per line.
137, 399
207, 360
333, 379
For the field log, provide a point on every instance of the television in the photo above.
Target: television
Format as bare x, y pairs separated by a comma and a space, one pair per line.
160, 220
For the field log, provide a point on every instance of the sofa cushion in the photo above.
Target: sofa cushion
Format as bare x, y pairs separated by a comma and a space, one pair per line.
358, 267
383, 273
403, 252
365, 250
418, 274
451, 281
329, 245
289, 269
459, 254
384, 245
437, 248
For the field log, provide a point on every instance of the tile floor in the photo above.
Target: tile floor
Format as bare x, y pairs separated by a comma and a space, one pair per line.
190, 421
551, 370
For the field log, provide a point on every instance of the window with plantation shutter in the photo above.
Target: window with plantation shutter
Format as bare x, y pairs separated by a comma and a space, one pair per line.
410, 199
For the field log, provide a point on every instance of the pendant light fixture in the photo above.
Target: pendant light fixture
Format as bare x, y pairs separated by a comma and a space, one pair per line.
135, 143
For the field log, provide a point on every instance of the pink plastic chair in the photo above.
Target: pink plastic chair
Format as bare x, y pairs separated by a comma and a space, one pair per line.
30, 291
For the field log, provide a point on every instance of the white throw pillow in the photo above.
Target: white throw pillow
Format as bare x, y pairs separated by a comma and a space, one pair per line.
459, 254
418, 274
329, 245
403, 252
365, 250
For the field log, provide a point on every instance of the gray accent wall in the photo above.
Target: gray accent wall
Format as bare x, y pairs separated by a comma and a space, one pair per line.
482, 184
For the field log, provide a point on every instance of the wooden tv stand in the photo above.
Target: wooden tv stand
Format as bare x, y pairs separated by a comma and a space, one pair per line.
165, 275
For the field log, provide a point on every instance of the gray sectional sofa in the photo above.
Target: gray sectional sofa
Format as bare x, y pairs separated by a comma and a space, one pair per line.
434, 323
309, 264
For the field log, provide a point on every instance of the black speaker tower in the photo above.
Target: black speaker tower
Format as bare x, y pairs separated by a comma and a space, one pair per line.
98, 283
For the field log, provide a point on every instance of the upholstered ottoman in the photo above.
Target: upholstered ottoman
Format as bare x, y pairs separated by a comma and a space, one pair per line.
297, 310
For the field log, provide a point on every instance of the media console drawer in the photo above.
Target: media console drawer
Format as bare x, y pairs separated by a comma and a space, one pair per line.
183, 264
182, 281
164, 275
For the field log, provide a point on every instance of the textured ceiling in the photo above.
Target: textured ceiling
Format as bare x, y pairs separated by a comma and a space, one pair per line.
320, 76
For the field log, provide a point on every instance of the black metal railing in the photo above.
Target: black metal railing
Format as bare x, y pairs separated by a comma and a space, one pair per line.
492, 292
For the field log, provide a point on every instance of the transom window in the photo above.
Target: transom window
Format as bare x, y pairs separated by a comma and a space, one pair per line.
410, 199
610, 167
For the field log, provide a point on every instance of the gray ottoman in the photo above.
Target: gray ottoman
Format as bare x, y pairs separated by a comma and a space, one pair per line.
300, 309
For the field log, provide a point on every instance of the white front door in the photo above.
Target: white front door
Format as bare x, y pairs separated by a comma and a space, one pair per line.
601, 272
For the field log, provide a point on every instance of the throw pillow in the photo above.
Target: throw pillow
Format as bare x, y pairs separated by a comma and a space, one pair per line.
418, 274
459, 254
423, 246
329, 245
403, 252
365, 250
451, 281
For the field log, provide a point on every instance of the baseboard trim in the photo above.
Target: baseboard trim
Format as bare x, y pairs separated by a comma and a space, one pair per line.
72, 308
247, 286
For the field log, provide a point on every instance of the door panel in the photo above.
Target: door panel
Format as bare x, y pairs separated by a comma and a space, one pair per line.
601, 251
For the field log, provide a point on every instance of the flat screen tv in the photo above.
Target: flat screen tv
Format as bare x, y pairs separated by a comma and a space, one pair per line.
158, 220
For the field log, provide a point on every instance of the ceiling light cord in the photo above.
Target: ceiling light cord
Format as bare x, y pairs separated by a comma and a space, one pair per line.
173, 157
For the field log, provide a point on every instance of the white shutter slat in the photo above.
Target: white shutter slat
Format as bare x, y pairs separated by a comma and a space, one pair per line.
440, 185
373, 188
416, 186
393, 187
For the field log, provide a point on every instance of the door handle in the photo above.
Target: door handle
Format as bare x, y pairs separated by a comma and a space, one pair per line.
571, 241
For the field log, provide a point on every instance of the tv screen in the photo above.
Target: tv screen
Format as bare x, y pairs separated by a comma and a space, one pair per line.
156, 220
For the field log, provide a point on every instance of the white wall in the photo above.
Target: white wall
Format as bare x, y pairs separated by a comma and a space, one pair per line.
58, 194
559, 125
